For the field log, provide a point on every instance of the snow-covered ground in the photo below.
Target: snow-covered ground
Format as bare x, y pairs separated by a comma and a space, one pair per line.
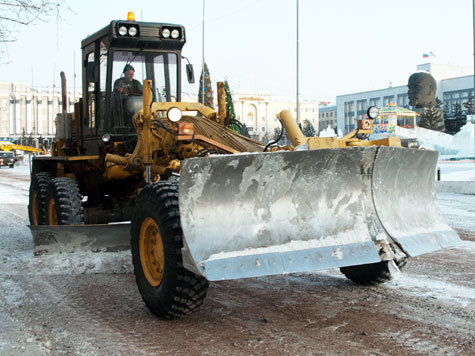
452, 170
458, 210
88, 304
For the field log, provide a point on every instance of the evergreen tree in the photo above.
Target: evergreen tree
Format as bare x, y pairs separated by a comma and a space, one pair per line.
433, 117
206, 91
461, 116
308, 129
458, 119
457, 111
438, 103
230, 108
469, 107
446, 111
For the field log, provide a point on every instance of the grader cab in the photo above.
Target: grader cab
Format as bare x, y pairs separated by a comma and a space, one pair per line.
135, 167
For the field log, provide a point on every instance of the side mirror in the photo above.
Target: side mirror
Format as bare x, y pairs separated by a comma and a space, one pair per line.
90, 72
190, 74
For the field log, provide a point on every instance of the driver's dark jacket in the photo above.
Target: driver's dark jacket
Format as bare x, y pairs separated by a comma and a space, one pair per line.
132, 87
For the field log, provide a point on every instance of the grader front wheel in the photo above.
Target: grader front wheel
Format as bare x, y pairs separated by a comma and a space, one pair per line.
152, 254
167, 288
373, 273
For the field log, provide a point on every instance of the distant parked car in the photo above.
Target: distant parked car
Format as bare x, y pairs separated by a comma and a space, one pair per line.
7, 159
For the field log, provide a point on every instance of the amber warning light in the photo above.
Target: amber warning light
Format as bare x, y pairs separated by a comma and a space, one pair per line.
185, 128
130, 16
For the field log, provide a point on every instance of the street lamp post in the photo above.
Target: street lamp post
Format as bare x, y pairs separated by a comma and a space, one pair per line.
298, 104
203, 58
473, 98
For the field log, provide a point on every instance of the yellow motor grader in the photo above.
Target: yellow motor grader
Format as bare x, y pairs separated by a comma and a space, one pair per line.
197, 202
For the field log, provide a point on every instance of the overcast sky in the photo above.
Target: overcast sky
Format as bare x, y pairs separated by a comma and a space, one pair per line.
345, 45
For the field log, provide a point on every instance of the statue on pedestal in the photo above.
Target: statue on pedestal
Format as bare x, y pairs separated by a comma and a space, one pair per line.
421, 93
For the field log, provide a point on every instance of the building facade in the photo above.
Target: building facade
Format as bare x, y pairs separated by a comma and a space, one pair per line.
454, 85
30, 112
327, 117
258, 111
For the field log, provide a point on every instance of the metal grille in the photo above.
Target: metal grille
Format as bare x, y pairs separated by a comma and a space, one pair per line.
149, 31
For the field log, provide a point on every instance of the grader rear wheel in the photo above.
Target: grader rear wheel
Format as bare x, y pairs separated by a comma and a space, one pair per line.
37, 204
63, 203
167, 288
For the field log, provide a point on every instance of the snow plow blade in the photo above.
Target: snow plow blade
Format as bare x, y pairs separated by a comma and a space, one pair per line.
250, 215
74, 238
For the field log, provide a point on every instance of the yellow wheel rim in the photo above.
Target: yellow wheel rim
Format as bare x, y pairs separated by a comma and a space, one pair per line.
34, 209
52, 218
152, 254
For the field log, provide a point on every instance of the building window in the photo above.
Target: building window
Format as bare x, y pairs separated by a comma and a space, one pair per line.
456, 97
349, 116
402, 100
388, 99
362, 106
374, 102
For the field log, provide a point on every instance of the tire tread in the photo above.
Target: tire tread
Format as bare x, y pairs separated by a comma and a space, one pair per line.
188, 290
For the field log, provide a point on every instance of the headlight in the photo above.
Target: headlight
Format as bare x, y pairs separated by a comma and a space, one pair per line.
174, 114
373, 112
175, 34
132, 31
166, 33
106, 137
122, 30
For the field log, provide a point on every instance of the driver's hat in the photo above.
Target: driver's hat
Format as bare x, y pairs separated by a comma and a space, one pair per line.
128, 67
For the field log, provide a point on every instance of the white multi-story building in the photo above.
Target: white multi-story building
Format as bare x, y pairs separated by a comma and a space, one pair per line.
30, 111
327, 117
454, 85
258, 111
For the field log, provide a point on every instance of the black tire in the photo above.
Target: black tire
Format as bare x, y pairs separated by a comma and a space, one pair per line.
63, 202
176, 291
37, 199
12, 166
370, 274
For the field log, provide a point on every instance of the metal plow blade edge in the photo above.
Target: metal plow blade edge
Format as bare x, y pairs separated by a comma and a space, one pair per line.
75, 238
405, 198
251, 215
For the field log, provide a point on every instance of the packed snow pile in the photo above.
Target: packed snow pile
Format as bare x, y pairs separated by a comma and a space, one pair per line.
460, 145
329, 132
464, 140
430, 139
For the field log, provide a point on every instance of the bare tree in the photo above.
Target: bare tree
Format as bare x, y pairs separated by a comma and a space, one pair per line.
17, 13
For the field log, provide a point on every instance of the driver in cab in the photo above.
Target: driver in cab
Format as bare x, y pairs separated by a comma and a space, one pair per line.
127, 84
